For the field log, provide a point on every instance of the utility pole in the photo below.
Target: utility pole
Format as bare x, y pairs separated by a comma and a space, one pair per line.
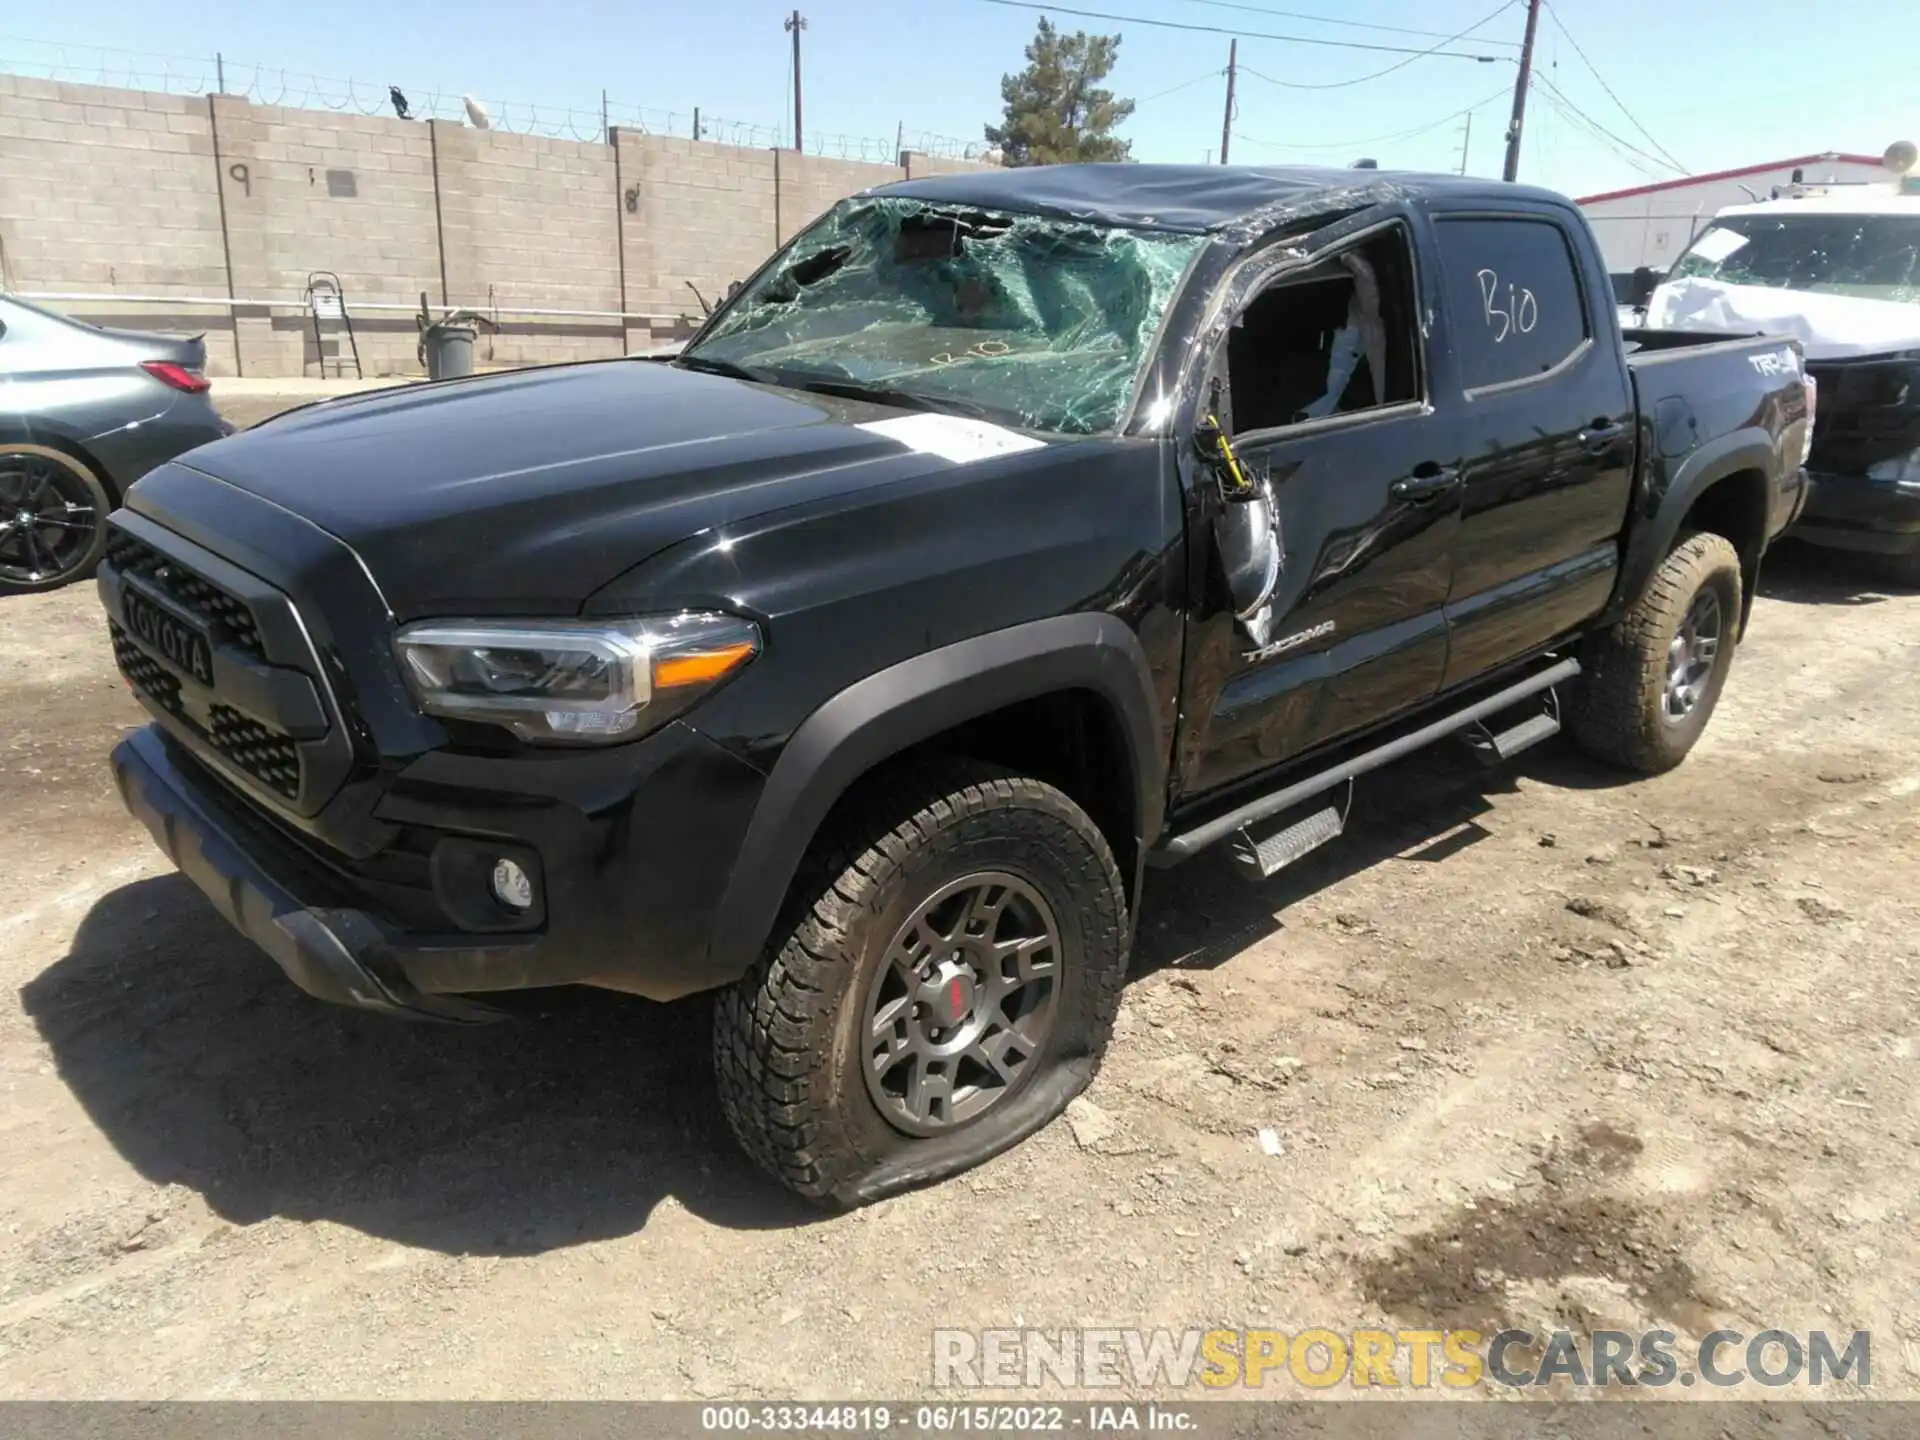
1512, 170
1466, 143
1226, 122
795, 24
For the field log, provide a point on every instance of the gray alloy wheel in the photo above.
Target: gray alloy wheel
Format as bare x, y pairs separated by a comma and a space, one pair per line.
1649, 683
53, 514
942, 984
1690, 657
962, 1003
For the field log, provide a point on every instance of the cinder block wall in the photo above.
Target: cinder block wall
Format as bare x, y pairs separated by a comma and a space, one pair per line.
529, 221
811, 185
119, 192
105, 190
691, 213
339, 193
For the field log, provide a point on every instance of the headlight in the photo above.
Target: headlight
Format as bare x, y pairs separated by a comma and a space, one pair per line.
572, 682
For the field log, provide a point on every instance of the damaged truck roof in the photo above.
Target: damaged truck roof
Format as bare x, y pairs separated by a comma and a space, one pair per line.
1187, 199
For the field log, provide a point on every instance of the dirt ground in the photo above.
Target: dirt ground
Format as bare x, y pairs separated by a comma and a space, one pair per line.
1539, 1048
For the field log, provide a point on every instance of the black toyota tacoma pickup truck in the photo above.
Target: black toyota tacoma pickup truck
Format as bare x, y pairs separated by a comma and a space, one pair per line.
1005, 534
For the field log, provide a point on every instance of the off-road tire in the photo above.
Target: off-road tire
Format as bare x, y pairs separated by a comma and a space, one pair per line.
1615, 708
789, 1069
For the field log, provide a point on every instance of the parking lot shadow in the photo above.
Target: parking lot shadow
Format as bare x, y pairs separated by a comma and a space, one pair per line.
1802, 574
1422, 810
205, 1067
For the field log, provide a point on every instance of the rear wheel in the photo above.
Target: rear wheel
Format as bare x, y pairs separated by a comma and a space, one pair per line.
1650, 683
944, 985
53, 513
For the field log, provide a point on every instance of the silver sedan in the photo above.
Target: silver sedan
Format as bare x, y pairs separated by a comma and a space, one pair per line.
84, 412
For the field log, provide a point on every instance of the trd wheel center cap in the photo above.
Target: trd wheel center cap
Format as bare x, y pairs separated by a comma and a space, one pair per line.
947, 994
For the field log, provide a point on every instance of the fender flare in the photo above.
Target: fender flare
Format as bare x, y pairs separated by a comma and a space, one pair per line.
1652, 540
915, 700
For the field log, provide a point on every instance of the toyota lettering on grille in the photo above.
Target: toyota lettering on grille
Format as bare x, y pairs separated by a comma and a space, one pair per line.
180, 643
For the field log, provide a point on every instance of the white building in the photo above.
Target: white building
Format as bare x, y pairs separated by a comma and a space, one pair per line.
1652, 224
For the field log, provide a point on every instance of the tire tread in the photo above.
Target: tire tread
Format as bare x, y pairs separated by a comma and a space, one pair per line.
1612, 714
771, 1028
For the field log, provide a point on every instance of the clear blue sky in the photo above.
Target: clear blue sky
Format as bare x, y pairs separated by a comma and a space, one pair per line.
1715, 82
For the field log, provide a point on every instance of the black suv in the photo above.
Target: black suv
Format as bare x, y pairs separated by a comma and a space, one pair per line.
1005, 534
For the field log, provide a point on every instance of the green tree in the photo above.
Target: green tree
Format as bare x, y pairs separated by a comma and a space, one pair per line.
1056, 110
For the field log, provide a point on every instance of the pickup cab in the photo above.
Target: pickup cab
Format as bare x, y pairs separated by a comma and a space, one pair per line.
1005, 535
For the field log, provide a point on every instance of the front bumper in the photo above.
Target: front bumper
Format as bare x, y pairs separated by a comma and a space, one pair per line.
341, 955
626, 903
1858, 512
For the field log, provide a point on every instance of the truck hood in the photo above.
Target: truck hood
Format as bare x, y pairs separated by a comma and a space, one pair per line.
1828, 327
525, 492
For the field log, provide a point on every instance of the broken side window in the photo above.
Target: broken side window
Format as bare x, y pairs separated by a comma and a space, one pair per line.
1335, 337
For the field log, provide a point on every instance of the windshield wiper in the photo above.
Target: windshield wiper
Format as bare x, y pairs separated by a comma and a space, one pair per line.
711, 366
883, 395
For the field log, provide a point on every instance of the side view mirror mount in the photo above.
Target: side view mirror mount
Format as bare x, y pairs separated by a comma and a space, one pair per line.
1645, 281
1237, 487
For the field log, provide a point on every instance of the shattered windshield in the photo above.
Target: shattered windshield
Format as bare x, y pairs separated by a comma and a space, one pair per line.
1870, 257
1037, 322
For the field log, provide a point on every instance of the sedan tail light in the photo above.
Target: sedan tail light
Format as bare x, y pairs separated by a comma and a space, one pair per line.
178, 376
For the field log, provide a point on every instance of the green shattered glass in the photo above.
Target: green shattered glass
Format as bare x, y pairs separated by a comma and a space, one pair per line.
1033, 321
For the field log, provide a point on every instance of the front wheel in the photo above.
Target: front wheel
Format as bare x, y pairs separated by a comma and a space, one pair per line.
53, 519
1650, 682
945, 984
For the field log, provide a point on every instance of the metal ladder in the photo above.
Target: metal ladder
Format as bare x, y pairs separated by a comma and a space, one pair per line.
327, 300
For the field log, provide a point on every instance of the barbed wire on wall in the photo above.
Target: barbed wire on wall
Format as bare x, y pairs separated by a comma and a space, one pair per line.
267, 84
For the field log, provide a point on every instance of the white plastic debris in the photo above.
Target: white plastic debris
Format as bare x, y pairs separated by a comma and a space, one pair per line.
1270, 1141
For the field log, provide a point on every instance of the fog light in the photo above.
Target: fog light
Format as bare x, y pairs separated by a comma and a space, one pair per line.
511, 886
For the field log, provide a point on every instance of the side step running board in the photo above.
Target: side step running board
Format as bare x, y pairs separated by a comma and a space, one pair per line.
1262, 859
1267, 806
1493, 746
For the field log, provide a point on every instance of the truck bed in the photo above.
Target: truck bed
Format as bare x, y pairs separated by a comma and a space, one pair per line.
1641, 341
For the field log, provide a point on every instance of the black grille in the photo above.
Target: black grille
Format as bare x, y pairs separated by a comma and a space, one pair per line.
253, 748
261, 751
229, 617
143, 670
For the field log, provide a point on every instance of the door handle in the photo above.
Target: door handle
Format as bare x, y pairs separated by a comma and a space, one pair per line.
1600, 437
1425, 483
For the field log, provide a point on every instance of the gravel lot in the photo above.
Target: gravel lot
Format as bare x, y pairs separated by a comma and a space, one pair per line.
1540, 1048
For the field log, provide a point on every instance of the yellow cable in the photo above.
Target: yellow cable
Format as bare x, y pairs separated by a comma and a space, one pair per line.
1242, 485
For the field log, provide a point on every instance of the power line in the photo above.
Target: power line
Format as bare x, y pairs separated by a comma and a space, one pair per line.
1398, 64
1641, 162
1199, 29
1593, 70
1176, 89
1376, 139
1329, 20
1575, 112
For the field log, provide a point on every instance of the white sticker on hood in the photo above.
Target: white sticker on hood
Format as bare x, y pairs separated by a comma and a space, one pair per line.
953, 437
